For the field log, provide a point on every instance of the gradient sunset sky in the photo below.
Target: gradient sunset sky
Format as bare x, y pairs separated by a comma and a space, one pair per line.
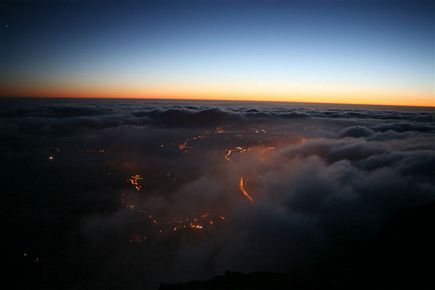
366, 52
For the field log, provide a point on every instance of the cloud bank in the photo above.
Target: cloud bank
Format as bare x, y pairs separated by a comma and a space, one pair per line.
131, 194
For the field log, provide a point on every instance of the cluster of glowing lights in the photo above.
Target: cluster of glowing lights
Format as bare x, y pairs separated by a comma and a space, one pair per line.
220, 130
57, 150
135, 181
257, 131
205, 220
183, 147
243, 149
238, 149
33, 258
93, 150
195, 223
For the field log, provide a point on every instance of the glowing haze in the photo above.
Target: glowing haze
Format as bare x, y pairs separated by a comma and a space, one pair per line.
366, 52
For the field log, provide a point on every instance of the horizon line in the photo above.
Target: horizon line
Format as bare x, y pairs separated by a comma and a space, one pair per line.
212, 99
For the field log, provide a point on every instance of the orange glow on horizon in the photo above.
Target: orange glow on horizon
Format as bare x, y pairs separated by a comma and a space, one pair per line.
364, 97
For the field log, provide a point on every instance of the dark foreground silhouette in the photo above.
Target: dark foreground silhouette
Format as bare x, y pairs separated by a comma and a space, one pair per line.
402, 256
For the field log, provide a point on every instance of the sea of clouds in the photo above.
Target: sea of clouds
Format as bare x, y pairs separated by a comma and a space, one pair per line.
325, 180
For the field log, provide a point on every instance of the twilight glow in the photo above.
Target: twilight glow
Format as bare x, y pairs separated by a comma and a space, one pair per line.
362, 52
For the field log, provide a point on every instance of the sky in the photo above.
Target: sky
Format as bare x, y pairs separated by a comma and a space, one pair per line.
362, 52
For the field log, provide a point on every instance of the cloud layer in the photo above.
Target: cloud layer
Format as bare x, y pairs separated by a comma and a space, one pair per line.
323, 179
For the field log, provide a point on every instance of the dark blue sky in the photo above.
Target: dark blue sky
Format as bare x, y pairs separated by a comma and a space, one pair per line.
349, 51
